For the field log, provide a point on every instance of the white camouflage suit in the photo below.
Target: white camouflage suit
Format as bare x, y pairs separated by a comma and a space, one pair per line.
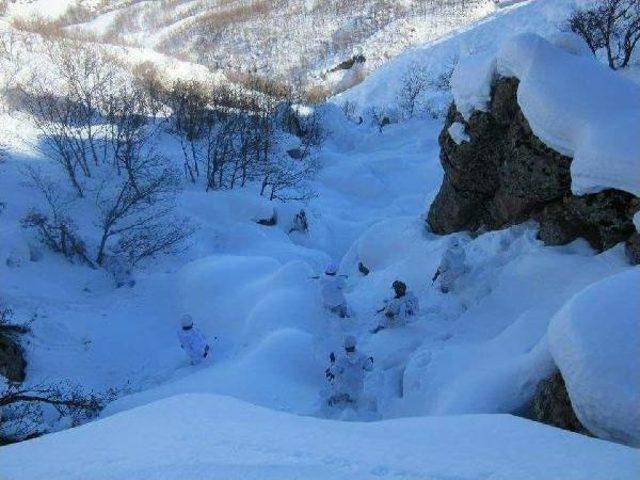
194, 343
346, 376
332, 287
452, 266
399, 310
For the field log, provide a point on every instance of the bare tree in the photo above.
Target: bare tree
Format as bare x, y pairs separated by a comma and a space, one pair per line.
55, 228
413, 84
610, 24
189, 104
22, 407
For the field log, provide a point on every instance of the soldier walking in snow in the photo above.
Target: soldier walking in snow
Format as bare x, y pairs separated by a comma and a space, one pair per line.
399, 310
300, 223
346, 375
452, 266
192, 340
332, 287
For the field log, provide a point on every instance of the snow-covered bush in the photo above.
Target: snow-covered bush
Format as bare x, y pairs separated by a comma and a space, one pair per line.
94, 124
612, 25
414, 82
30, 411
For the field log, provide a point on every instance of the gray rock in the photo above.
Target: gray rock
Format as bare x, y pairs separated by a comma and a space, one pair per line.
12, 362
552, 405
633, 248
505, 175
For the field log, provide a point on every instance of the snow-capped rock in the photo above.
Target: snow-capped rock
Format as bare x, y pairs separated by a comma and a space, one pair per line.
595, 341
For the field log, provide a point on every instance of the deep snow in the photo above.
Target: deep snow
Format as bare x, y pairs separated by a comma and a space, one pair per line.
479, 350
215, 437
594, 340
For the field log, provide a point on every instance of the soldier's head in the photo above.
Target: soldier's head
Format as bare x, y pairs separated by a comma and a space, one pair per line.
400, 288
350, 344
186, 322
332, 269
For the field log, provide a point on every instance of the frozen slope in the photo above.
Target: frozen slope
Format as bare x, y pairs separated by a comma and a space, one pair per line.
214, 437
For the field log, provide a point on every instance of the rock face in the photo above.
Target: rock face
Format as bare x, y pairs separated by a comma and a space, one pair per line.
12, 362
552, 405
505, 175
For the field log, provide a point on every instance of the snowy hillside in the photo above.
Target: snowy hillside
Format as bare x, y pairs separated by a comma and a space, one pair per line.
198, 280
312, 43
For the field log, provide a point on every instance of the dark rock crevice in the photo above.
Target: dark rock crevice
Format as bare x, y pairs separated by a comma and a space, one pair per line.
12, 362
505, 175
551, 405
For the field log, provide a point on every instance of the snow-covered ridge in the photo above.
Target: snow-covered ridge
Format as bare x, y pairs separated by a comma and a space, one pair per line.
574, 104
209, 437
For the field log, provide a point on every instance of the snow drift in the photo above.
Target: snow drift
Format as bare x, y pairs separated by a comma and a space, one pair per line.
595, 341
207, 436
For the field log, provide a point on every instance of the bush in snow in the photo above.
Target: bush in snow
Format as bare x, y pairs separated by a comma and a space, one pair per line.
230, 140
413, 84
30, 411
94, 123
55, 229
610, 24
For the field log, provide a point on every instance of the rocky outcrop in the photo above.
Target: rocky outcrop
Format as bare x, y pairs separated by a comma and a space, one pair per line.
12, 362
552, 405
504, 175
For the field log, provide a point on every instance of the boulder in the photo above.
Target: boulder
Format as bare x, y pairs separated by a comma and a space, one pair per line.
12, 362
552, 405
505, 175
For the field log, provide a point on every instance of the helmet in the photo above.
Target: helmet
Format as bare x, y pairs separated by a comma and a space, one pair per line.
186, 321
399, 287
350, 343
331, 269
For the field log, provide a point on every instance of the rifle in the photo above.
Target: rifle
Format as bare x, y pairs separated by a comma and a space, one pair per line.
437, 274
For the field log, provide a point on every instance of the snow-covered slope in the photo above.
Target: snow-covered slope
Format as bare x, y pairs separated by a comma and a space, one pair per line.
440, 55
470, 357
213, 437
255, 37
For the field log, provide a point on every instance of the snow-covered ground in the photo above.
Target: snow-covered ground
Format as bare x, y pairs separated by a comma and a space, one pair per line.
442, 384
215, 437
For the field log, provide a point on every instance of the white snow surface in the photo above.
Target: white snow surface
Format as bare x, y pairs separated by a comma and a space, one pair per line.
215, 437
595, 341
457, 132
466, 359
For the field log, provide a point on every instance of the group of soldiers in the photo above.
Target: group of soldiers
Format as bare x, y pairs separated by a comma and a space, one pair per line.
347, 369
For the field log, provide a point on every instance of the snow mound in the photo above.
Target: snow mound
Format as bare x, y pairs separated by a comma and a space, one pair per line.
593, 121
595, 341
209, 436
458, 133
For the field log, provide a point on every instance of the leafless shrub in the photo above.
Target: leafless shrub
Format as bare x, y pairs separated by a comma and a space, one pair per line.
413, 84
23, 408
97, 129
613, 25
55, 229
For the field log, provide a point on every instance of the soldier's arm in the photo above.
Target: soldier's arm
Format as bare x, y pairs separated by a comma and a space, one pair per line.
435, 276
